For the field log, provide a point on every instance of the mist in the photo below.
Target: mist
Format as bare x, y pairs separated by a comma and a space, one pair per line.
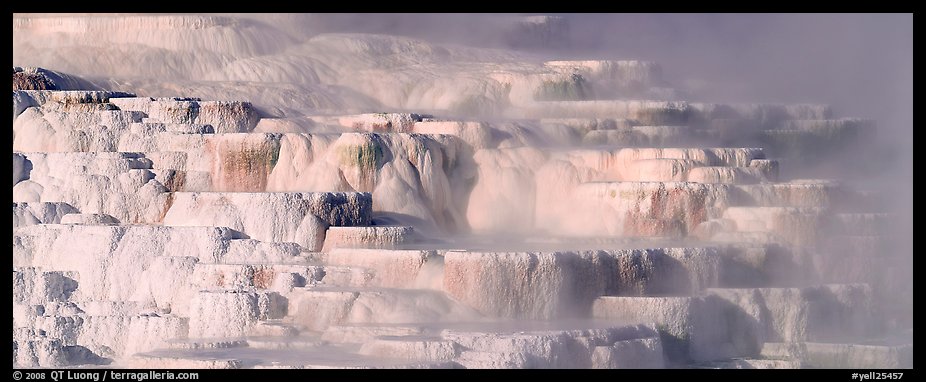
464, 190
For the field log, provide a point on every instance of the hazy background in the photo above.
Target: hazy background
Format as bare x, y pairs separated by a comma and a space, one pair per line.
860, 64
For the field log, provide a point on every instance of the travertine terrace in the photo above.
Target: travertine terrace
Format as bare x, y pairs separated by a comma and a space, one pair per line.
227, 192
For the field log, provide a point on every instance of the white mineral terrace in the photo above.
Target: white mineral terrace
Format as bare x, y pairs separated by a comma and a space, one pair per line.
224, 192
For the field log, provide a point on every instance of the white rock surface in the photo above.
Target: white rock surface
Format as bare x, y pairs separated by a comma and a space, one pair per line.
421, 178
789, 224
369, 237
48, 130
792, 194
276, 277
300, 218
114, 336
117, 263
34, 286
232, 313
695, 328
117, 184
425, 349
647, 208
828, 355
25, 214
558, 348
24, 99
726, 175
827, 312
319, 308
391, 268
629, 354
39, 353
249, 251
89, 219
20, 169
756, 364
225, 117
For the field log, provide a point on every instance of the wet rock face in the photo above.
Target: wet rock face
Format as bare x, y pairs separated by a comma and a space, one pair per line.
239, 192
563, 284
225, 117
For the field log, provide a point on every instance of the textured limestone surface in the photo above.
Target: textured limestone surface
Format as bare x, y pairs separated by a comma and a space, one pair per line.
270, 191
